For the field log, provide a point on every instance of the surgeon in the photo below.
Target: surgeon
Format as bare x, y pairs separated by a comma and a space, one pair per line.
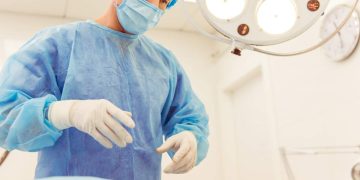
95, 98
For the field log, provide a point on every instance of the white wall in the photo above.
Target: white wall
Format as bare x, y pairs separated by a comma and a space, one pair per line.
193, 52
312, 101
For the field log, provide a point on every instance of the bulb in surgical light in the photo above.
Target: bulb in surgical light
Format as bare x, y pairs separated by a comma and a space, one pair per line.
225, 9
276, 16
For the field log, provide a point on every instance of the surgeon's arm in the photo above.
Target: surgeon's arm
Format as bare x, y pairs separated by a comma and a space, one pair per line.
185, 112
28, 84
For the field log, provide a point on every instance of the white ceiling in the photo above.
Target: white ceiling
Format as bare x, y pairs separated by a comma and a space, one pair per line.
88, 9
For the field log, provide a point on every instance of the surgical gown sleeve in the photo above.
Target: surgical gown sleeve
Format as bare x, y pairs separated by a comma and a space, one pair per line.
185, 112
28, 84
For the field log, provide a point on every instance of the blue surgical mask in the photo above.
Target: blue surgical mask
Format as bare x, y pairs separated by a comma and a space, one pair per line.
138, 16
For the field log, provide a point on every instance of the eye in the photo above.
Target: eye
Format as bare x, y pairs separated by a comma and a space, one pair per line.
165, 2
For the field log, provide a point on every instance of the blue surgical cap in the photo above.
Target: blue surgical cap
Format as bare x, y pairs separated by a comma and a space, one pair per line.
171, 4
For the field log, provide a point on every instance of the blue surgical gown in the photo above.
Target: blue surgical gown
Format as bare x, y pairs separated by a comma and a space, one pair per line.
85, 60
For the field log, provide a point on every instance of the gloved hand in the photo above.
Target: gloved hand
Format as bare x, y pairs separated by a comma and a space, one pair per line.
185, 146
99, 118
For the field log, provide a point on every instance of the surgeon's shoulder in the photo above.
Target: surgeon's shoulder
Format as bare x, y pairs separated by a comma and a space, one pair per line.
61, 33
167, 55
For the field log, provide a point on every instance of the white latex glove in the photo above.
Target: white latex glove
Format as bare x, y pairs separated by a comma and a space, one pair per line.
185, 157
99, 118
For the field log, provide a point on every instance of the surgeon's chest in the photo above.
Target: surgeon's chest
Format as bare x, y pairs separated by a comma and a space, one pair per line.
127, 80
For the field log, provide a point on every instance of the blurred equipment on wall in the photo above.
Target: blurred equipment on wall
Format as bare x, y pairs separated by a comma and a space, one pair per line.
355, 173
3, 157
318, 151
344, 43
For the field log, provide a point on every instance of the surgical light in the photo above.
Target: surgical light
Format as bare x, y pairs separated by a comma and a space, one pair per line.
225, 9
249, 24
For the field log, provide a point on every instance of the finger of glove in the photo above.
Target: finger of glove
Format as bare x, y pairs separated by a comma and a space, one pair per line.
118, 129
101, 139
188, 165
169, 144
184, 169
120, 115
128, 113
188, 159
106, 131
182, 151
